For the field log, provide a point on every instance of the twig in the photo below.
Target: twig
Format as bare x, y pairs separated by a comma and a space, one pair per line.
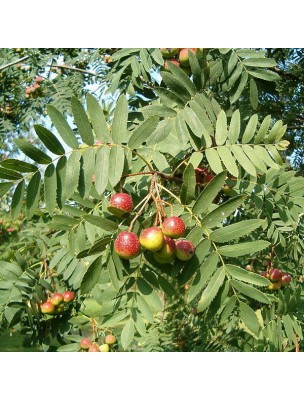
14, 62
83, 71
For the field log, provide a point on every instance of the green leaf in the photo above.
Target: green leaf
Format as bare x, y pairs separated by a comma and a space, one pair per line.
222, 212
214, 160
50, 188
196, 126
249, 318
234, 127
82, 122
288, 326
91, 276
265, 157
221, 132
116, 164
241, 86
207, 196
113, 273
127, 334
63, 128
205, 272
17, 200
249, 291
88, 169
102, 172
9, 175
97, 118
33, 194
228, 160
181, 130
161, 132
196, 70
72, 174
61, 173
17, 165
243, 159
144, 308
253, 157
183, 78
120, 120
262, 130
211, 290
245, 276
49, 140
253, 93
69, 347
235, 231
176, 87
5, 187
250, 129
103, 223
228, 308
32, 152
189, 183
141, 133
265, 75
259, 62
240, 249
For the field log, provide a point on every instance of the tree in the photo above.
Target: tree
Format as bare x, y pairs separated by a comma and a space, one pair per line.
189, 141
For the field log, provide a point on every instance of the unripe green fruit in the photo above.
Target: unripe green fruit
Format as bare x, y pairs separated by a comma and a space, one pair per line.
162, 260
110, 339
127, 245
59, 309
85, 343
184, 250
47, 308
104, 348
152, 238
168, 52
275, 285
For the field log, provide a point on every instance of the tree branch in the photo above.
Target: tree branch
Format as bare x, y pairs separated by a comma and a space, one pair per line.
14, 62
83, 71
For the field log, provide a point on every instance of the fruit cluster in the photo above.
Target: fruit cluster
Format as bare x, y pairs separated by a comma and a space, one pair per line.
35, 90
92, 347
179, 57
277, 277
157, 239
55, 305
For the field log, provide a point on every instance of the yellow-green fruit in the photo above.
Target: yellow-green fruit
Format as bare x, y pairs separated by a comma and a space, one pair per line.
152, 238
162, 260
104, 348
275, 285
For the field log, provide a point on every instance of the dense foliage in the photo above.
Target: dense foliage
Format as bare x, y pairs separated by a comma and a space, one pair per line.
194, 141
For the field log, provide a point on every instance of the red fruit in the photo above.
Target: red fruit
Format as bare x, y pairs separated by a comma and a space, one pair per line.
265, 274
173, 227
94, 348
184, 250
110, 339
85, 343
57, 299
152, 238
275, 275
184, 56
173, 60
68, 296
286, 279
127, 245
39, 79
168, 52
28, 90
120, 204
47, 308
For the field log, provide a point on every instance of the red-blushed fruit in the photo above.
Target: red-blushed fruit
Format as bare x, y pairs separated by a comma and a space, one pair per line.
94, 348
85, 343
275, 275
110, 339
127, 245
39, 79
168, 52
173, 227
265, 274
286, 279
168, 249
275, 285
173, 60
104, 348
68, 296
47, 308
184, 56
57, 299
184, 249
152, 238
120, 204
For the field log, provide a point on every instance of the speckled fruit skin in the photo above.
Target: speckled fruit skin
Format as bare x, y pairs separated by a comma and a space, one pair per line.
286, 279
173, 60
168, 249
120, 204
275, 285
173, 227
127, 245
275, 275
184, 250
85, 343
94, 348
152, 238
184, 56
68, 296
168, 52
104, 348
57, 299
47, 308
110, 339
